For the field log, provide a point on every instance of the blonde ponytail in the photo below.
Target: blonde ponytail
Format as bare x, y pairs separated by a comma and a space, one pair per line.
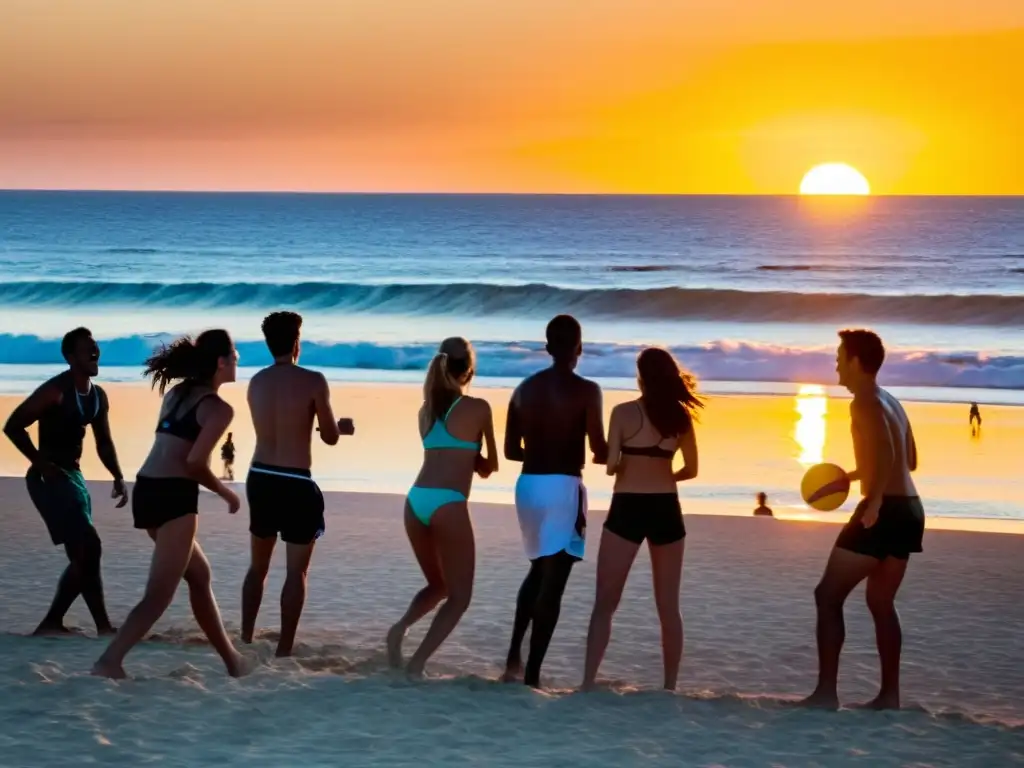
449, 371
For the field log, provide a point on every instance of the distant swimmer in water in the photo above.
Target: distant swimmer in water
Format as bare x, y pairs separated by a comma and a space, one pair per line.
975, 417
227, 455
643, 438
64, 406
165, 502
763, 510
885, 529
284, 500
550, 417
453, 427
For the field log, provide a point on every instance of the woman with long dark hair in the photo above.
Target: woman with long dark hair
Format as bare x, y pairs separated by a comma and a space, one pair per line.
453, 427
643, 437
165, 500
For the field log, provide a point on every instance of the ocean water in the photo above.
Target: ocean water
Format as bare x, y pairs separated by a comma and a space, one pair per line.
747, 290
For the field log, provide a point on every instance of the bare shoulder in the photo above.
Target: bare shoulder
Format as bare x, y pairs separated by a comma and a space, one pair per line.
478, 404
217, 406
591, 389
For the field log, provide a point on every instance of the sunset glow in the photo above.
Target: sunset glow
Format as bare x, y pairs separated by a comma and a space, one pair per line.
735, 97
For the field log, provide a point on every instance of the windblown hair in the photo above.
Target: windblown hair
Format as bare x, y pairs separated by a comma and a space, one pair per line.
187, 360
451, 369
669, 393
866, 346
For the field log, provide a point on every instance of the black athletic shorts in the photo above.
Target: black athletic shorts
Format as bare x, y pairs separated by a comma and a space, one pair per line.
158, 500
656, 517
898, 532
285, 501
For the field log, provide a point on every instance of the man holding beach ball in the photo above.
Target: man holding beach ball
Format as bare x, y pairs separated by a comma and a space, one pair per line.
886, 527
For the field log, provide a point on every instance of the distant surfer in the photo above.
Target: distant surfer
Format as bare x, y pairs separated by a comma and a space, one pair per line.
550, 417
64, 406
227, 455
884, 530
975, 417
284, 500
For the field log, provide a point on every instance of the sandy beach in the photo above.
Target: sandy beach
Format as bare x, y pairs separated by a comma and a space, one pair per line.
747, 608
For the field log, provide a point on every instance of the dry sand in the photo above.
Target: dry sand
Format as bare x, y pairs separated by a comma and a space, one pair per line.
748, 614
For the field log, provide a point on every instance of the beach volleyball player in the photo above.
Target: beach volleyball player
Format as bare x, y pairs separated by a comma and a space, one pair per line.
886, 528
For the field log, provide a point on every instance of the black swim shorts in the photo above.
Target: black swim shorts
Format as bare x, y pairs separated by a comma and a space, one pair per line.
285, 501
656, 517
159, 500
898, 532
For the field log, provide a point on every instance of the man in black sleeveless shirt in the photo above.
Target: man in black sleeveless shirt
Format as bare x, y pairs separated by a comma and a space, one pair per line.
64, 406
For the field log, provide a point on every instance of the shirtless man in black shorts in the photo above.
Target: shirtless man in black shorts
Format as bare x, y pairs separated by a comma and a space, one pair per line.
887, 526
64, 406
283, 498
550, 416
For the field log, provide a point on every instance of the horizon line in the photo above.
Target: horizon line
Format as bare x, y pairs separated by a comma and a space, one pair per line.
401, 193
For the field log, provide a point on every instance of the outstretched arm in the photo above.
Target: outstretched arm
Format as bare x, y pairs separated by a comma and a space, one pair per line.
595, 425
514, 431
27, 414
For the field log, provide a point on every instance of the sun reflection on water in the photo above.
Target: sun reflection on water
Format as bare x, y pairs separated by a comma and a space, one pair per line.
809, 433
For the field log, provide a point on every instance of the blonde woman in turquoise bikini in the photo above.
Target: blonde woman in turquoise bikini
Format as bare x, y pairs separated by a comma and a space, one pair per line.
453, 427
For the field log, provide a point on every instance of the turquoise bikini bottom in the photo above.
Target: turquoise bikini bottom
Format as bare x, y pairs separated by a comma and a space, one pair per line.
424, 502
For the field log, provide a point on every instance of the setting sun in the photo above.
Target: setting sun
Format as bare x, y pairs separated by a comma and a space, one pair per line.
834, 179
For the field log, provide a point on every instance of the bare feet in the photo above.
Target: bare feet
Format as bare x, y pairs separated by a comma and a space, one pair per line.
108, 631
821, 700
237, 665
882, 701
51, 629
394, 641
414, 670
513, 672
105, 669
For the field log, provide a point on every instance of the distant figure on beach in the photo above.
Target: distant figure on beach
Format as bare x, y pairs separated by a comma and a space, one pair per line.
886, 527
643, 437
165, 502
283, 497
64, 406
550, 417
227, 455
452, 426
975, 417
762, 509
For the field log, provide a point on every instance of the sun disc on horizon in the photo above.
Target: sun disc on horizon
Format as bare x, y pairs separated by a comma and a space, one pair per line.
834, 179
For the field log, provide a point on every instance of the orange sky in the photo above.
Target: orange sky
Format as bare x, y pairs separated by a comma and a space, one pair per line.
673, 96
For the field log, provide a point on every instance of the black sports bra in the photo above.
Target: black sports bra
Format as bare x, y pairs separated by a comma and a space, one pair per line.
185, 425
651, 451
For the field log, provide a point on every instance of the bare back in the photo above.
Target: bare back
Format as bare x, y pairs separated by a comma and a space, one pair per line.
880, 425
552, 413
283, 401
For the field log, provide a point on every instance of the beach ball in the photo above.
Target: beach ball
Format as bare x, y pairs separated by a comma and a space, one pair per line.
825, 487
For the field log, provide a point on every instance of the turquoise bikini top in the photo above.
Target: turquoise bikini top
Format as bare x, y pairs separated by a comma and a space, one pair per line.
440, 437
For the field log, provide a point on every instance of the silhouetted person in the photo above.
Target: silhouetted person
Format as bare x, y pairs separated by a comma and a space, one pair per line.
64, 406
227, 455
886, 527
550, 416
283, 497
975, 417
763, 510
